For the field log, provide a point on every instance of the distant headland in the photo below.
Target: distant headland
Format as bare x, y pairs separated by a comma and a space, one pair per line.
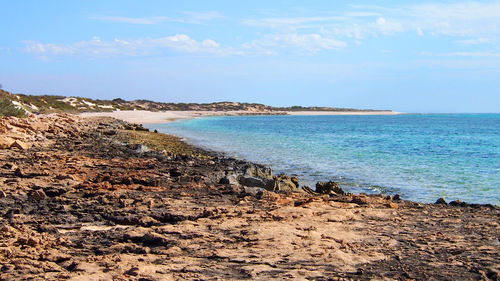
55, 103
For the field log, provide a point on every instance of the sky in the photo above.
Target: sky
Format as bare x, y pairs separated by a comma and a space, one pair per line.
408, 56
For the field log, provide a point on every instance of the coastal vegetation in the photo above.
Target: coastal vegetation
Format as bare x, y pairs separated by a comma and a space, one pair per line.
58, 103
7, 108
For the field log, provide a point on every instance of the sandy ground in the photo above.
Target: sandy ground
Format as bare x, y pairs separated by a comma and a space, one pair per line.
149, 117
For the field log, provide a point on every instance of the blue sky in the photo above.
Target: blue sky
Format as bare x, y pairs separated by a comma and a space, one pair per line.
409, 56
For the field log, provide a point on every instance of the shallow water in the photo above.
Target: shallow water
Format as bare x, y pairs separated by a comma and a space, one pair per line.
422, 157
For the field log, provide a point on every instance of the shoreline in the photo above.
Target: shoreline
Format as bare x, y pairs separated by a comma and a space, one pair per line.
151, 117
98, 198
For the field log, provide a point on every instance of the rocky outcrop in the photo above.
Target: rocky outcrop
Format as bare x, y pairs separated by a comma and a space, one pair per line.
330, 187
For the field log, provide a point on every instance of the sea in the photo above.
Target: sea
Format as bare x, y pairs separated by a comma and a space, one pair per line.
422, 157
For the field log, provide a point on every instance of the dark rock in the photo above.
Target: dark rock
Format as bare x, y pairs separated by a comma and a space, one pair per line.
37, 195
9, 166
329, 188
285, 183
110, 132
53, 191
175, 172
359, 200
458, 203
19, 173
258, 171
47, 228
224, 180
255, 182
308, 189
134, 271
154, 239
396, 197
253, 191
441, 201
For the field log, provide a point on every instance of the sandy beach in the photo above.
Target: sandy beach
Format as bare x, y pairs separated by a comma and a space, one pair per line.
150, 117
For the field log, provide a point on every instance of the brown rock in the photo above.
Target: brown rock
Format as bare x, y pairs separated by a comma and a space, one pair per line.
32, 242
329, 188
441, 201
392, 205
21, 145
6, 142
360, 200
153, 238
9, 166
56, 256
308, 189
134, 271
37, 195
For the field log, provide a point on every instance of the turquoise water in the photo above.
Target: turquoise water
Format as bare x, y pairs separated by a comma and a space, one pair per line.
420, 157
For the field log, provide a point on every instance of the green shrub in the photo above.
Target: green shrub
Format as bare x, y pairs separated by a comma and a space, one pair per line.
9, 109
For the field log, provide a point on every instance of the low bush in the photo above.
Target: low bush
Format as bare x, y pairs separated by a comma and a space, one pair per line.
9, 109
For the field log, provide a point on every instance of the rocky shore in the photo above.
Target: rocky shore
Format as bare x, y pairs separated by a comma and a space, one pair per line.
101, 199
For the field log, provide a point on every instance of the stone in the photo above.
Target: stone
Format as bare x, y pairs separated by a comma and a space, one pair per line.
253, 182
260, 172
329, 188
308, 190
134, 235
37, 195
284, 182
148, 221
441, 201
134, 271
32, 242
392, 205
253, 191
9, 166
458, 203
230, 179
19, 144
360, 200
396, 197
6, 142
154, 239
175, 172
2, 194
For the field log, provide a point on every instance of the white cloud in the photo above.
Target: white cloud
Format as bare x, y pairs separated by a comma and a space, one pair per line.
149, 20
464, 54
450, 19
476, 41
472, 54
135, 47
188, 17
386, 26
286, 22
309, 43
210, 43
456, 19
196, 17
